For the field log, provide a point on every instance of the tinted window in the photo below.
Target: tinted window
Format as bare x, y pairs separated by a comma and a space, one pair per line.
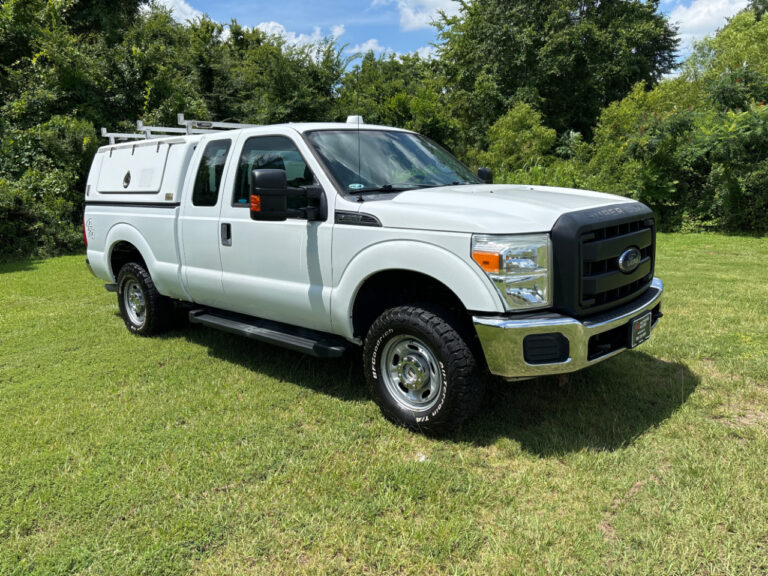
275, 152
208, 179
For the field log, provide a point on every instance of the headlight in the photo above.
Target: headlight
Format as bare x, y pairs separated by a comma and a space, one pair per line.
518, 266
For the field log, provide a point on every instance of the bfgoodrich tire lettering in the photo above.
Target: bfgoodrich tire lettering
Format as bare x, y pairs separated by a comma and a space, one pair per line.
144, 310
421, 370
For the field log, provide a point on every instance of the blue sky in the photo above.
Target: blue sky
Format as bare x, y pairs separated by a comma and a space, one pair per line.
401, 26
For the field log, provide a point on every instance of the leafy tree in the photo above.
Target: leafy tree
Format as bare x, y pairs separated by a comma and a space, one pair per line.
373, 87
20, 24
403, 91
108, 17
151, 73
517, 140
759, 7
569, 58
271, 81
509, 74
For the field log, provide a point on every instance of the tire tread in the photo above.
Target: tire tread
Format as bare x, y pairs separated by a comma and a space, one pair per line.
159, 308
467, 383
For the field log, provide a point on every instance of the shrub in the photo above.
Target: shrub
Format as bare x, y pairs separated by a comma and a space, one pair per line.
41, 187
36, 217
517, 140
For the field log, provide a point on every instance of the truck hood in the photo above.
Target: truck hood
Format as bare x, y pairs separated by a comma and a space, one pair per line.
486, 208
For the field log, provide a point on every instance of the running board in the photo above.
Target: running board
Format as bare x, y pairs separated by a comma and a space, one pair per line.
310, 342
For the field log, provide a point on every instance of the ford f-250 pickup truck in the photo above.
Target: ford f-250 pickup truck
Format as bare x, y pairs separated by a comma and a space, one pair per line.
332, 236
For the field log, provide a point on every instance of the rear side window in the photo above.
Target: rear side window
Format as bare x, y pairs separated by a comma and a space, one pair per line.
208, 179
276, 152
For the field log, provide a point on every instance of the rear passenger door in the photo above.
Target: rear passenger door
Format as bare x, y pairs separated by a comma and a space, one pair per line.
199, 221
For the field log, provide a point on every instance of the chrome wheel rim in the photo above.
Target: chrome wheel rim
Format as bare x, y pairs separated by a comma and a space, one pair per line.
135, 303
411, 373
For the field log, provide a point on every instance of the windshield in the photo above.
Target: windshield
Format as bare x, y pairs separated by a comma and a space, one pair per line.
383, 161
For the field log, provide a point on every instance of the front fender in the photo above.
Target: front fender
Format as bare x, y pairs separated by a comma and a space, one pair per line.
466, 281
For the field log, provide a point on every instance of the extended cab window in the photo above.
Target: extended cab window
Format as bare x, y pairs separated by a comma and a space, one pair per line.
275, 152
208, 179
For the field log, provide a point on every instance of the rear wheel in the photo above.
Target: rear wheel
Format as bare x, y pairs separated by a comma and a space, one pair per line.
144, 310
421, 370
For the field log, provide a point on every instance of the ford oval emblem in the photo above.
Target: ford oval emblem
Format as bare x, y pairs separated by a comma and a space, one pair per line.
629, 260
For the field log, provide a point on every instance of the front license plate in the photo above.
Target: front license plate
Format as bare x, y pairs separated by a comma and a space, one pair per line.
640, 329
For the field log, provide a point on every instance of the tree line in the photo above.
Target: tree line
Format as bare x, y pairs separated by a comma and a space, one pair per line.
560, 92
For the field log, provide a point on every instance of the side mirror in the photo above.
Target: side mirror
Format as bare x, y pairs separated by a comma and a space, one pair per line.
485, 174
269, 195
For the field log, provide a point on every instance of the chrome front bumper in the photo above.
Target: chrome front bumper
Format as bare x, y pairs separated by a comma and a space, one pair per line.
502, 336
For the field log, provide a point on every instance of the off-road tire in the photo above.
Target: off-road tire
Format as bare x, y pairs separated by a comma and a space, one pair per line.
432, 333
157, 309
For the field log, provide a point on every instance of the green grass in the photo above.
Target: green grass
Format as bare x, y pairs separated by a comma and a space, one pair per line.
203, 453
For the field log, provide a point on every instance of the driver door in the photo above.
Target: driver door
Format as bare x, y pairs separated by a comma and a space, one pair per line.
275, 270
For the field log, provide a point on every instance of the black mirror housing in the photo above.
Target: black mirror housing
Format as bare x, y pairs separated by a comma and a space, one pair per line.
485, 174
269, 195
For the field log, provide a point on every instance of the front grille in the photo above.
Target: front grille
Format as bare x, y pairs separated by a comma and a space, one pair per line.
601, 280
587, 247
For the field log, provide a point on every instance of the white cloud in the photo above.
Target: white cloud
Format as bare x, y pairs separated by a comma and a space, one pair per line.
426, 52
417, 14
277, 29
367, 46
702, 18
181, 10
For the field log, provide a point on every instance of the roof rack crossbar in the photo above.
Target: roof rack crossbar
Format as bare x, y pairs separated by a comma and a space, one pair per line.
141, 127
192, 125
189, 127
114, 136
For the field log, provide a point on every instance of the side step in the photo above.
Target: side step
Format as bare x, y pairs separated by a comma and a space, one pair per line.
310, 342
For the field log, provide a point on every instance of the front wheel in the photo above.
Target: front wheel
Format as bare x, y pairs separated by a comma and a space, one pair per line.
421, 370
144, 310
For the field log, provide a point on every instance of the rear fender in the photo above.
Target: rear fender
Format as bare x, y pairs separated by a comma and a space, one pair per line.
165, 275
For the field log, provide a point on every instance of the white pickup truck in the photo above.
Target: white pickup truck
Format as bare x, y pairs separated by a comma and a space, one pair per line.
332, 236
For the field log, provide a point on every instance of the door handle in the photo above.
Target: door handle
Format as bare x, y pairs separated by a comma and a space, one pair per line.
226, 234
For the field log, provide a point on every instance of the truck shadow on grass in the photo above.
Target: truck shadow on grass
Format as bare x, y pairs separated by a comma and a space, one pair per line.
341, 378
604, 407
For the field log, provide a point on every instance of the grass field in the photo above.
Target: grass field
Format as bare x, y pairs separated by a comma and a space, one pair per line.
203, 453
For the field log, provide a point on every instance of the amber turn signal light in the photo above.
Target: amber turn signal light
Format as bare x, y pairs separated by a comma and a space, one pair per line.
489, 261
255, 203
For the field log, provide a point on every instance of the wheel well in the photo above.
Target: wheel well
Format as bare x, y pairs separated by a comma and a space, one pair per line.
395, 287
122, 254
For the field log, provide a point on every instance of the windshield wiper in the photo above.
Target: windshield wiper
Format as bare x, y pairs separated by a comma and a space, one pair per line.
401, 187
384, 188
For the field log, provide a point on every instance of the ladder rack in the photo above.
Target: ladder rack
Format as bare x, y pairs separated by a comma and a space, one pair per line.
189, 127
